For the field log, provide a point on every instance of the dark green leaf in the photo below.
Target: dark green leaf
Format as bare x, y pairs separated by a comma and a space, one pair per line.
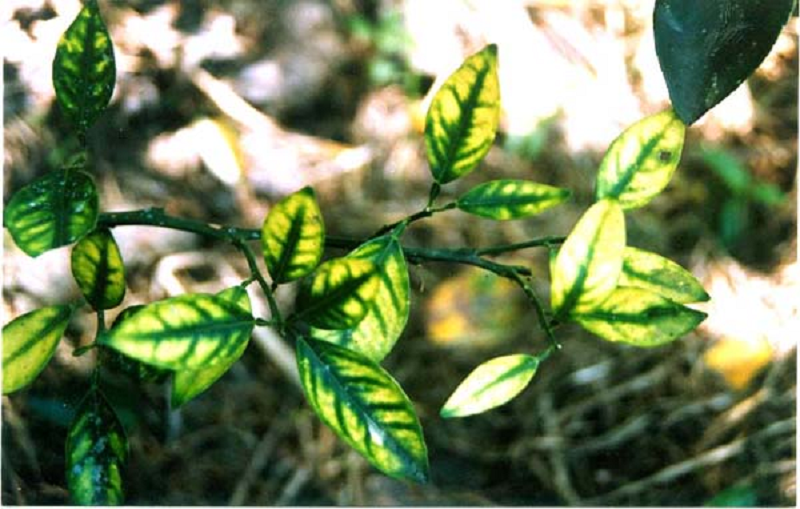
365, 406
98, 269
649, 271
53, 211
510, 199
708, 48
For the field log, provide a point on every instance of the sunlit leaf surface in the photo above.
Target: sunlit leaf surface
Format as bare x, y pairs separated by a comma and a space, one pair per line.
96, 453
29, 342
490, 385
120, 363
53, 211
462, 120
292, 236
510, 199
639, 317
642, 269
641, 161
365, 406
589, 262
98, 269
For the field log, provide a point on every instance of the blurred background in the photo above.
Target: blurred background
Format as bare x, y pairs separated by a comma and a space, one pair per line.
222, 107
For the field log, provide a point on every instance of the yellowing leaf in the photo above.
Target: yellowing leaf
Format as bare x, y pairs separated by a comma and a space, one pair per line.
738, 361
510, 199
98, 269
642, 269
462, 120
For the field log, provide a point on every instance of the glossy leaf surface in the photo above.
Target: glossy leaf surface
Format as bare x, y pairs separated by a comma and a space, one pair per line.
707, 49
462, 120
53, 211
641, 161
83, 69
510, 199
589, 262
639, 317
29, 342
365, 406
649, 271
490, 385
98, 269
292, 236
96, 451
120, 363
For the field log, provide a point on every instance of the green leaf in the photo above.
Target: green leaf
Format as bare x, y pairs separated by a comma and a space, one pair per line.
641, 161
96, 453
98, 269
185, 332
188, 384
387, 311
52, 211
589, 262
119, 363
339, 294
365, 406
649, 271
510, 199
29, 342
462, 120
707, 49
493, 383
84, 70
292, 237
639, 317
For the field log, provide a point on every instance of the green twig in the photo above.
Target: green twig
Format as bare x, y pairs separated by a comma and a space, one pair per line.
507, 248
544, 323
256, 273
422, 214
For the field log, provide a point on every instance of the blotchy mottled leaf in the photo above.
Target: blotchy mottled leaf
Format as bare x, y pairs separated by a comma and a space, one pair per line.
639, 317
186, 332
53, 211
365, 406
707, 49
462, 120
96, 451
510, 199
589, 262
83, 69
98, 269
649, 271
29, 342
292, 236
493, 383
641, 161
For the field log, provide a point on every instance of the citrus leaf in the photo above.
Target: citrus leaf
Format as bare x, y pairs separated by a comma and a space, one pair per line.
53, 211
292, 236
120, 363
590, 260
387, 311
462, 120
649, 271
96, 453
83, 69
338, 296
365, 406
188, 384
185, 332
641, 161
98, 269
639, 317
490, 385
510, 199
29, 342
707, 49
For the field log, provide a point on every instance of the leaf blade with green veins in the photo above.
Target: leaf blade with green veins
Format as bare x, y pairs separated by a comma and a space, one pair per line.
649, 271
29, 342
98, 269
387, 312
510, 199
365, 406
190, 331
463, 116
639, 317
96, 451
292, 237
589, 262
84, 70
53, 211
493, 383
641, 161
